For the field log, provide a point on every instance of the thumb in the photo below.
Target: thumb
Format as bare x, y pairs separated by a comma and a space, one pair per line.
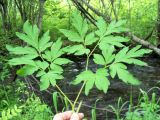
75, 116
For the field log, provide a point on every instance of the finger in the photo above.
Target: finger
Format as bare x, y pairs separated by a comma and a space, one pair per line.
58, 117
67, 115
81, 115
75, 116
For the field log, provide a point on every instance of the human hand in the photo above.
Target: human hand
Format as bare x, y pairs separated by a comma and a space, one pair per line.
68, 115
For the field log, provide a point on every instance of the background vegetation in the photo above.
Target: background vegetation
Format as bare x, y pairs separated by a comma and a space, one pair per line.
20, 97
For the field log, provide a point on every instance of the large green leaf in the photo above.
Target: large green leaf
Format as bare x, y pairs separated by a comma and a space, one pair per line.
27, 39
47, 55
123, 74
21, 50
44, 82
27, 51
108, 54
89, 85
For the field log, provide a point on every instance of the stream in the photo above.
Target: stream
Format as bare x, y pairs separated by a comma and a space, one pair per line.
149, 77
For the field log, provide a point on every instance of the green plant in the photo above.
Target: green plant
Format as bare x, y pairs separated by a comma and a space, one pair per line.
4, 74
57, 98
146, 110
118, 109
31, 109
10, 113
11, 92
34, 109
93, 111
20, 105
42, 57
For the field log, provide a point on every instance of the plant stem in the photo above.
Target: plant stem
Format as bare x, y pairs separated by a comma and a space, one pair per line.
79, 93
59, 87
87, 63
65, 96
79, 106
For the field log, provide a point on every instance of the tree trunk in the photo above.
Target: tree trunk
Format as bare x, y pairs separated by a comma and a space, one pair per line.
20, 5
40, 15
5, 17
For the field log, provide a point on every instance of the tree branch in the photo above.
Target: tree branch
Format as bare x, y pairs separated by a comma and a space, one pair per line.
144, 43
134, 37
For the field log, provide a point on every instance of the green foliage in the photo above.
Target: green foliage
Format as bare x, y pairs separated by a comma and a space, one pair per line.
34, 109
5, 73
43, 58
90, 78
17, 104
56, 17
113, 61
148, 108
48, 67
79, 35
9, 95
118, 108
10, 113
